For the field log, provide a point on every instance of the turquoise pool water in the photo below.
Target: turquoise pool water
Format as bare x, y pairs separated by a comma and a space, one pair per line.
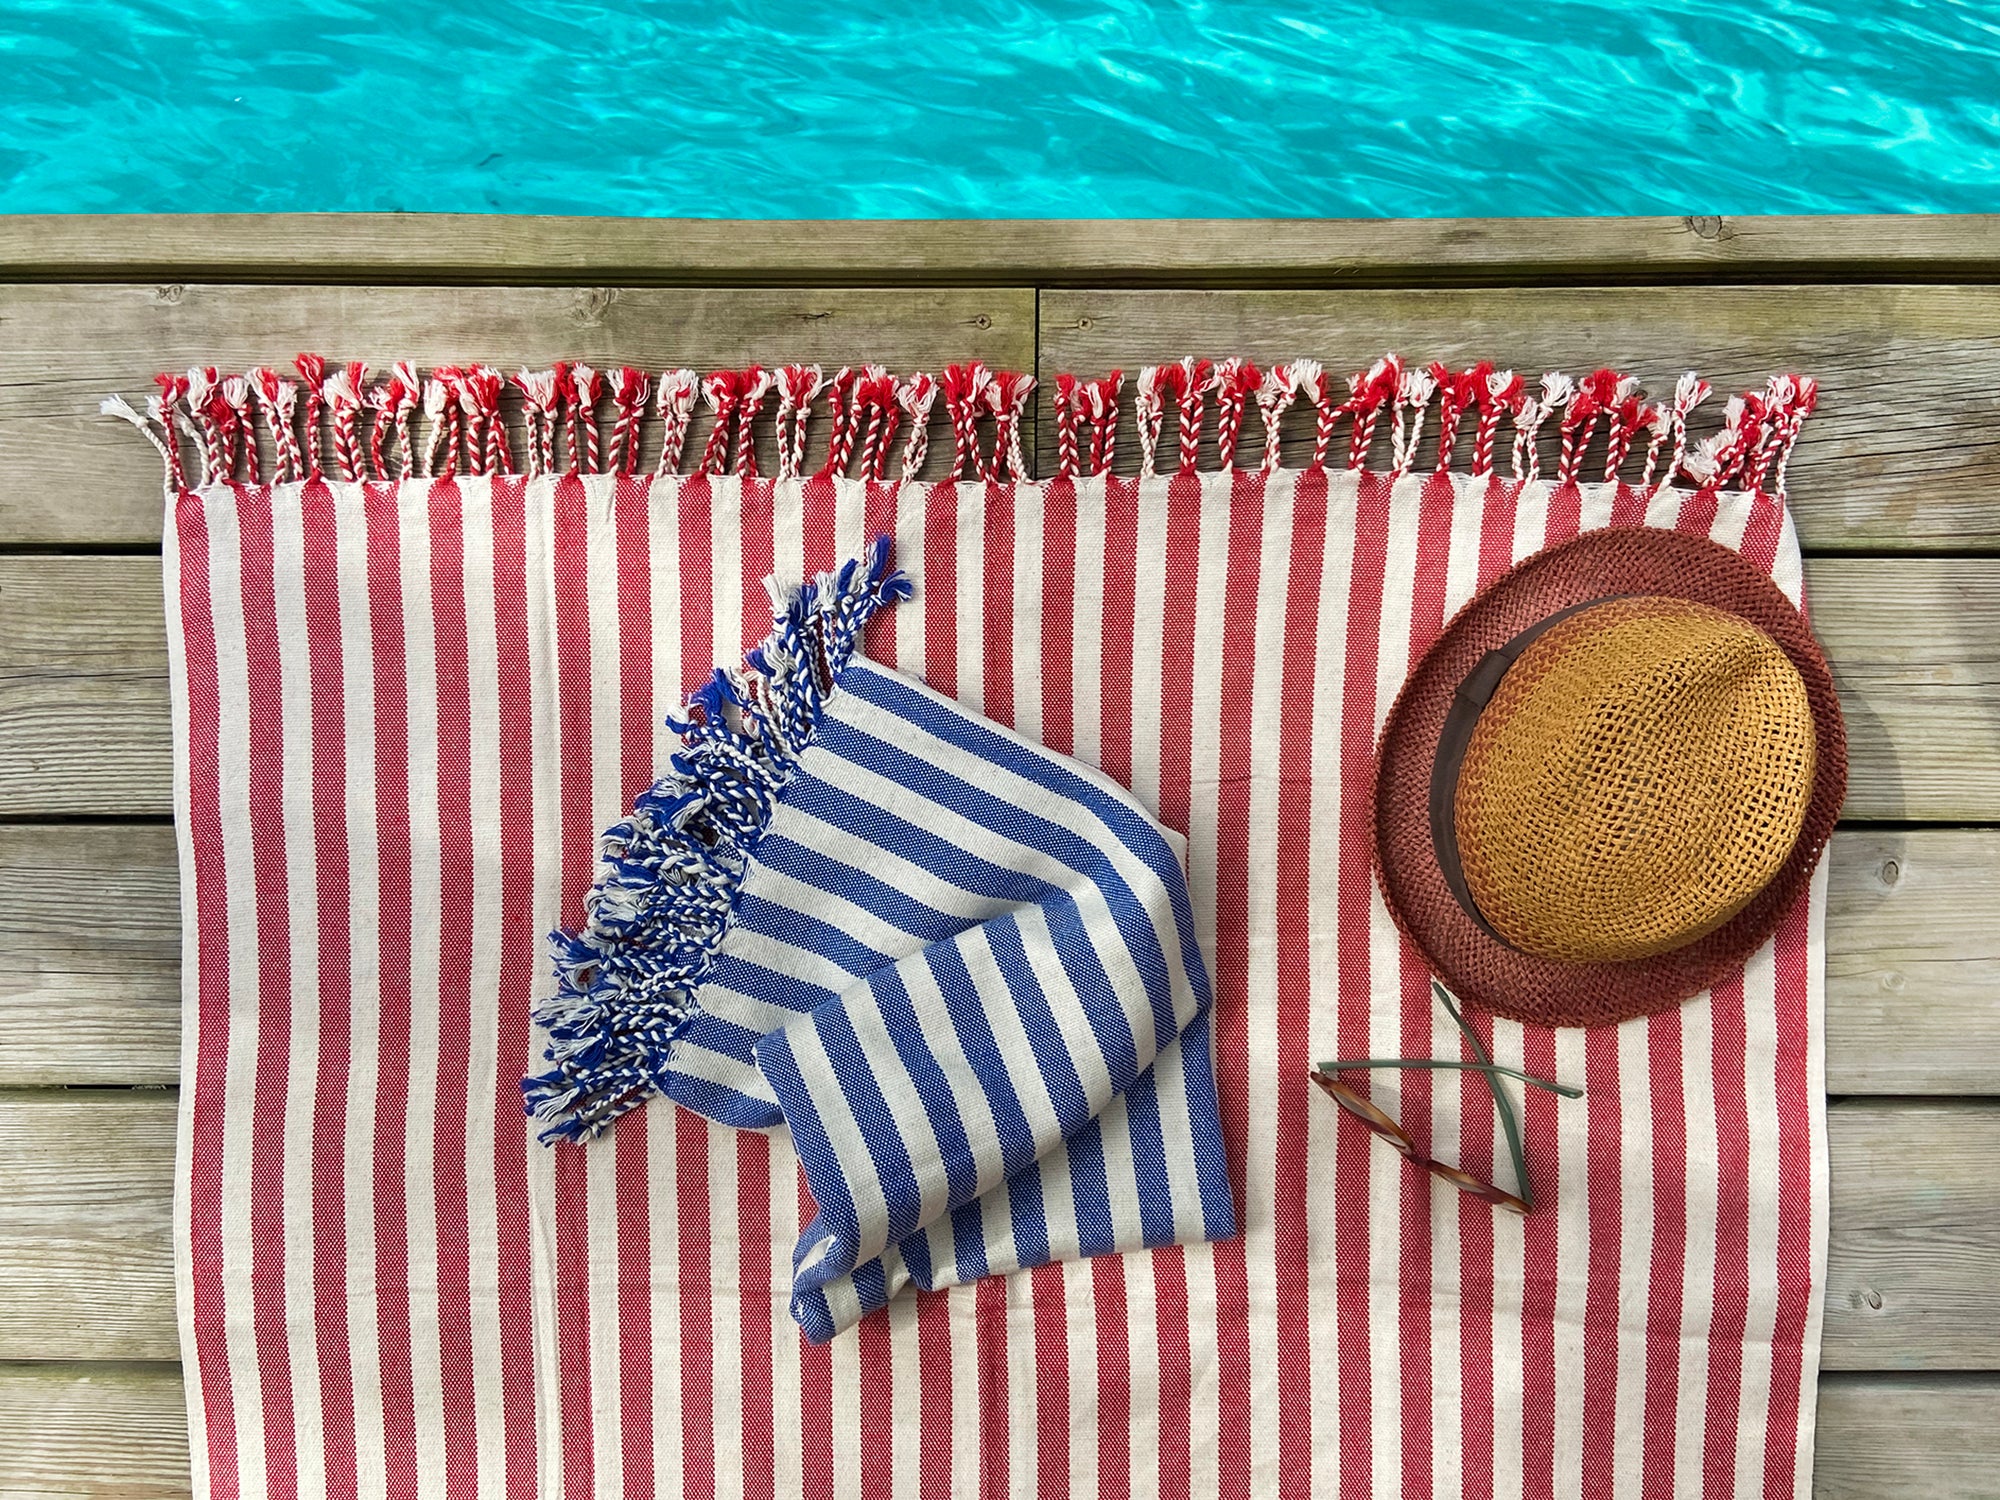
1127, 108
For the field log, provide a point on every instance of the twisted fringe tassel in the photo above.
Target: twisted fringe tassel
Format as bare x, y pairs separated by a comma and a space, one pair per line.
334, 417
626, 980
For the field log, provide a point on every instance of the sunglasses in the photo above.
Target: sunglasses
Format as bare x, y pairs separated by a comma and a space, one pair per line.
1368, 1113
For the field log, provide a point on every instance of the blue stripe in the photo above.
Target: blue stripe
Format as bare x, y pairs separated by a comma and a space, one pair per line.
1151, 1185
871, 1284
1038, 1023
1211, 1160
854, 1075
1090, 1190
949, 862
797, 929
916, 1252
848, 882
816, 1156
720, 1102
975, 1039
1132, 919
899, 1015
785, 991
1133, 828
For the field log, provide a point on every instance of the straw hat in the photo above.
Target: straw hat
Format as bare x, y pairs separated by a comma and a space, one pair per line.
1608, 779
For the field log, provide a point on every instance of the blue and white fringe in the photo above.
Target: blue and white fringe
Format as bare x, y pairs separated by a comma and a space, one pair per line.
626, 982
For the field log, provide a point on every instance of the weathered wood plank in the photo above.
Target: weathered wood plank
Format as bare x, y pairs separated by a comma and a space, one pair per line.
1913, 1259
115, 1432
1913, 938
1928, 1435
89, 955
74, 476
1903, 451
1048, 252
1915, 641
88, 1431
86, 1270
86, 1255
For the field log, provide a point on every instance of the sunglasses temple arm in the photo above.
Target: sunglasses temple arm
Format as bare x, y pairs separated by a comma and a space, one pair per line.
1345, 1064
1509, 1126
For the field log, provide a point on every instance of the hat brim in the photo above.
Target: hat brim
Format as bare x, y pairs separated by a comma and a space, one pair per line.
1478, 968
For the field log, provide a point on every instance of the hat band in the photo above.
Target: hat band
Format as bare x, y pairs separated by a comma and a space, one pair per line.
1467, 704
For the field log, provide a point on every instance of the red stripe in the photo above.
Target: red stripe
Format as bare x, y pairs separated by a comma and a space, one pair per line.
1477, 1123
520, 967
1177, 626
878, 518
1415, 1220
691, 1131
1297, 711
1058, 622
1121, 581
989, 1315
997, 600
934, 1392
203, 833
391, 714
1241, 585
332, 901
815, 1396
753, 1149
579, 836
455, 873
1354, 891
940, 591
1628, 506
631, 1186
1666, 1278
816, 1360
1604, 1264
274, 989
1729, 1298
1115, 757
1793, 960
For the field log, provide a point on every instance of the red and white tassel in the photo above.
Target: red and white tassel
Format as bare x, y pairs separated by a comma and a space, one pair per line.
1502, 396
1557, 388
163, 408
484, 385
1456, 390
1101, 407
756, 386
240, 426
279, 397
1309, 380
965, 388
1068, 413
579, 388
798, 386
1232, 384
1149, 410
1008, 397
312, 376
918, 395
1627, 420
202, 406
539, 406
1689, 392
1372, 391
1274, 398
719, 394
1413, 396
441, 411
1802, 398
342, 391
840, 406
678, 392
1190, 390
630, 391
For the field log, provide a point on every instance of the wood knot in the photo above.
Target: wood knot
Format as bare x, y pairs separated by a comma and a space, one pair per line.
169, 295
593, 303
1891, 872
1707, 226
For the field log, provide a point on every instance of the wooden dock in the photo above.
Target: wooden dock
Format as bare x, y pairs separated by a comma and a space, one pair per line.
1896, 491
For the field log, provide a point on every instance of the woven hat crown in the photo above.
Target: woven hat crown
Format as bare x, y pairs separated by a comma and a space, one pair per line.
1640, 773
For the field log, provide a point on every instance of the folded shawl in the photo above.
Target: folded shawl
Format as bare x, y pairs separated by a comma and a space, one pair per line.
960, 968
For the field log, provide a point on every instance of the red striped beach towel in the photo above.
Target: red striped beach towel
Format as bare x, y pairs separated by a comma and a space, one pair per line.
412, 683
